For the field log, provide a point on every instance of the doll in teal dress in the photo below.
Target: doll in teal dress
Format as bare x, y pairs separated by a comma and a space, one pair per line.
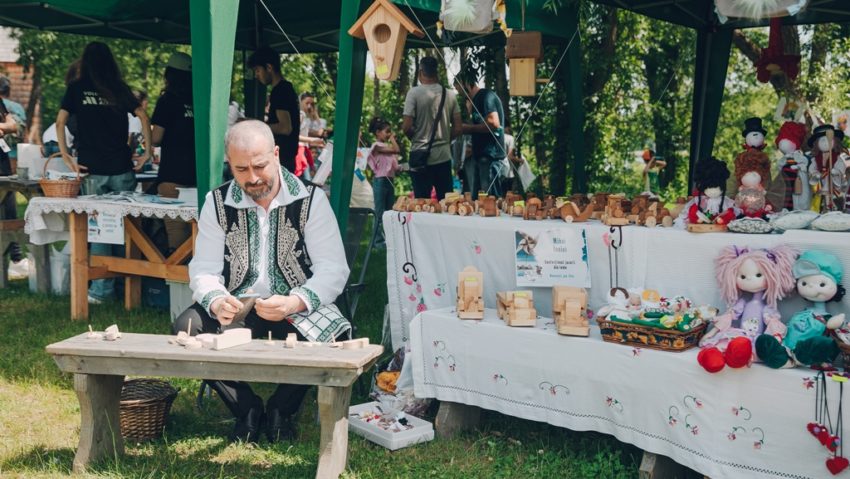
807, 341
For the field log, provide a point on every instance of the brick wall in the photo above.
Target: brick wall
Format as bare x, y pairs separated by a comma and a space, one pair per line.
21, 82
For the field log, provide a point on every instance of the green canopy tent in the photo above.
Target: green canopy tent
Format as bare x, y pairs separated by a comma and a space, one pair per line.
215, 28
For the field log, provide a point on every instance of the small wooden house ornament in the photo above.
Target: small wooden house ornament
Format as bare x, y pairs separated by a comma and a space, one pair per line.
524, 51
385, 29
470, 294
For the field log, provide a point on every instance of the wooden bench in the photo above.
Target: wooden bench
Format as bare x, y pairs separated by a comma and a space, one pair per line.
100, 366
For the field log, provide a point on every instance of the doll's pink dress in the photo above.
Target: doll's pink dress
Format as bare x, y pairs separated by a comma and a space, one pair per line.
748, 318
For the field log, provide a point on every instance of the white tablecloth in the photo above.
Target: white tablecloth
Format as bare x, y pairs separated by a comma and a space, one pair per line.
425, 251
47, 220
661, 402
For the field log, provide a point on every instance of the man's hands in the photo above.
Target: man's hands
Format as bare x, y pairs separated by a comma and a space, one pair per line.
274, 308
225, 308
277, 307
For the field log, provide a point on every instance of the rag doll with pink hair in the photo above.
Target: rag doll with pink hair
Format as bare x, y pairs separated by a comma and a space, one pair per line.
752, 281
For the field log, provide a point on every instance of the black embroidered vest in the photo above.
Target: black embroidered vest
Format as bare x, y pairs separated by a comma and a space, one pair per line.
288, 262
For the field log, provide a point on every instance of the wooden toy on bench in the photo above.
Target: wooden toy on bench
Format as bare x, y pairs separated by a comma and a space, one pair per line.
516, 308
470, 294
569, 309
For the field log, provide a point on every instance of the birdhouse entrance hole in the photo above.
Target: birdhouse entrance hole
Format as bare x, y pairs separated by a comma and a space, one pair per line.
382, 32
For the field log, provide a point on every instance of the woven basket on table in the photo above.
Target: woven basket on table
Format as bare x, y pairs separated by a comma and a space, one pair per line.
649, 337
145, 404
59, 188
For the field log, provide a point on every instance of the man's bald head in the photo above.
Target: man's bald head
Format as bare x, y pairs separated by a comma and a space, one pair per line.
253, 157
248, 135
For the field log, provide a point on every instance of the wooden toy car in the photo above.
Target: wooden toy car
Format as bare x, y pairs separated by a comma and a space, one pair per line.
516, 308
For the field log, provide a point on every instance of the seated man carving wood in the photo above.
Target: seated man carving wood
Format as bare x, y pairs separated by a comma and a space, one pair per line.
267, 233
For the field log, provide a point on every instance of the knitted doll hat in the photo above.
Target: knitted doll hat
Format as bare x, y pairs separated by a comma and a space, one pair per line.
814, 262
711, 173
793, 132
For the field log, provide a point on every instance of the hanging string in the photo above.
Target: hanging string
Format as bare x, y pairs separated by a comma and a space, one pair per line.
533, 109
328, 96
839, 426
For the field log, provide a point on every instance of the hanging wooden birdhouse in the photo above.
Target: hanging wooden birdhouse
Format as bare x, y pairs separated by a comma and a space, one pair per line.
524, 50
385, 29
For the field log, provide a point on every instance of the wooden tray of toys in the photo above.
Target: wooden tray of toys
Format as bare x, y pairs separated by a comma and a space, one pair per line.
706, 228
650, 337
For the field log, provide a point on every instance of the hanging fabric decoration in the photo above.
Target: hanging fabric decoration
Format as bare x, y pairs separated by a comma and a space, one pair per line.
758, 9
828, 429
473, 16
774, 61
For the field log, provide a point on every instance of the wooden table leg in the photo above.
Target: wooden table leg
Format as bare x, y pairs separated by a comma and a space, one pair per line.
132, 283
41, 256
333, 445
100, 427
455, 417
79, 266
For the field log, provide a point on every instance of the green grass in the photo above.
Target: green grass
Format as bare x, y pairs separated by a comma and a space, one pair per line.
39, 417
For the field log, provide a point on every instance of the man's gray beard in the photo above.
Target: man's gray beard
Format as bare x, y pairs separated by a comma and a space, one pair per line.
259, 195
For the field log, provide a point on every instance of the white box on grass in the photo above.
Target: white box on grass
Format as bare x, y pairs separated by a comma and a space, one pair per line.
422, 431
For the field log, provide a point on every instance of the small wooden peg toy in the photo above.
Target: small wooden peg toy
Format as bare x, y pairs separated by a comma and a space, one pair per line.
569, 309
291, 341
487, 207
470, 294
270, 341
516, 308
93, 335
533, 209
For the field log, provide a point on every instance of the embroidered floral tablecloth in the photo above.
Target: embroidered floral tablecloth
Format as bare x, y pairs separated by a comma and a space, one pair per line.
46, 218
744, 423
425, 252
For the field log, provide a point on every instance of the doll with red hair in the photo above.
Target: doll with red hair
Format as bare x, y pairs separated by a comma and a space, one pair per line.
752, 281
793, 165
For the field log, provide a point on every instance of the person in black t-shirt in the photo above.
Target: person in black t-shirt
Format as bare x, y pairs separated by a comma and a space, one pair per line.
174, 131
100, 100
284, 111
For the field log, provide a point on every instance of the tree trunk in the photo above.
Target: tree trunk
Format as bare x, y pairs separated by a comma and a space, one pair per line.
662, 80
558, 168
817, 60
35, 98
500, 83
376, 95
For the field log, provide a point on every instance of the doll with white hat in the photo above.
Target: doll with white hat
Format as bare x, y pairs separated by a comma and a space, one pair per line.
818, 276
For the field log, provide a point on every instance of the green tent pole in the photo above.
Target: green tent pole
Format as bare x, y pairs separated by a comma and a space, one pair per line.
213, 24
575, 98
349, 106
713, 50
